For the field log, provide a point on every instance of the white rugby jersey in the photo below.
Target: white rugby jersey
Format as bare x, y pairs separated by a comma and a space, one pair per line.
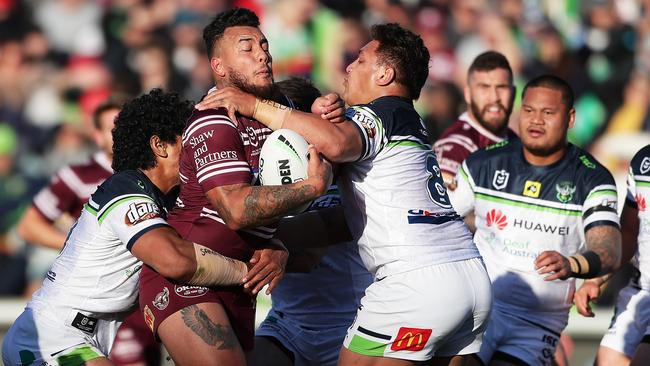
95, 277
395, 199
638, 196
522, 210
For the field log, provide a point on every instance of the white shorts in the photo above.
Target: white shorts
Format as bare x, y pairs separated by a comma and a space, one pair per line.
516, 340
309, 346
440, 310
631, 321
34, 339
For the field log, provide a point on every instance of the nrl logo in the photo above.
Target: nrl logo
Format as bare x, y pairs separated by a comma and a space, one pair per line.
645, 165
565, 191
500, 179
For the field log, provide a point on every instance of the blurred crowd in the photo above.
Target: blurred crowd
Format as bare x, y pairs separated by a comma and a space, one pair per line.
60, 58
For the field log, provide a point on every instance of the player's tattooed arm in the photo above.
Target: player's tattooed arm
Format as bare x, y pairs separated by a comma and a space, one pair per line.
242, 205
605, 241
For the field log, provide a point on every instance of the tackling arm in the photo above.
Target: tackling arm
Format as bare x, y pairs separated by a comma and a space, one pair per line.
178, 259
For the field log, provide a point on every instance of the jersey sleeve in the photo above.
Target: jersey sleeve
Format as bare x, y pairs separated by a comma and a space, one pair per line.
58, 197
462, 198
452, 150
370, 127
216, 148
601, 205
129, 216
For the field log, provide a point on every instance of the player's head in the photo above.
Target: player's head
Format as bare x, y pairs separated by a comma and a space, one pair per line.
301, 92
395, 62
103, 120
490, 92
147, 132
546, 114
239, 52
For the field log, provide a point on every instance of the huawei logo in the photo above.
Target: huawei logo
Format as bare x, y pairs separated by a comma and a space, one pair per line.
640, 202
497, 218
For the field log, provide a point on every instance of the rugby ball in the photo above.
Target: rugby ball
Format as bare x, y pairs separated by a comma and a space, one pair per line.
284, 159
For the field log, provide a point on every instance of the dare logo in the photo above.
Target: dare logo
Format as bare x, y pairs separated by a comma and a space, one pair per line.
139, 212
640, 202
410, 339
497, 218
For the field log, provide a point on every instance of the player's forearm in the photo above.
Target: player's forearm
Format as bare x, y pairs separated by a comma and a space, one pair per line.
331, 139
245, 206
33, 228
605, 241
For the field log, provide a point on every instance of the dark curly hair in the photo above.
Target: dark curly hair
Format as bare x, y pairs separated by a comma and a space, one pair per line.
405, 52
157, 113
230, 18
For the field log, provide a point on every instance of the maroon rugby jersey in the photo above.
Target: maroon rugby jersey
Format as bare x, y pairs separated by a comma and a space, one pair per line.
71, 187
217, 153
462, 138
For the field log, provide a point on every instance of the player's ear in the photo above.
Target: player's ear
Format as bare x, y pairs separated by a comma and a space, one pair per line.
572, 117
158, 146
217, 66
385, 75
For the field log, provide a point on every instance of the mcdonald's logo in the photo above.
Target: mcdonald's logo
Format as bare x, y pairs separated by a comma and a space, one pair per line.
410, 339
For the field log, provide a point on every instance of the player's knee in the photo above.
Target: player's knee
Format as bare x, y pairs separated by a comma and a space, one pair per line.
609, 357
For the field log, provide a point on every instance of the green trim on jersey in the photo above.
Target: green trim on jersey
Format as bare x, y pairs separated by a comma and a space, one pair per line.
642, 183
78, 357
366, 347
90, 210
603, 192
537, 207
419, 145
106, 210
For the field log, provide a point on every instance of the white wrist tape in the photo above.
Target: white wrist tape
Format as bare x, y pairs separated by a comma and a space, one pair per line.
213, 269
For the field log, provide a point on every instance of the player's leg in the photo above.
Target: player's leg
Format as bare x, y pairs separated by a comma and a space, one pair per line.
642, 354
625, 332
608, 356
201, 334
269, 351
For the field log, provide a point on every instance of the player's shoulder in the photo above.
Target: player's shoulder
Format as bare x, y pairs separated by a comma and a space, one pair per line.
588, 173
121, 185
640, 163
91, 170
497, 152
207, 120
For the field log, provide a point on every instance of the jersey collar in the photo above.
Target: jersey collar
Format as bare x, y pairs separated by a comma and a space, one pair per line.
477, 126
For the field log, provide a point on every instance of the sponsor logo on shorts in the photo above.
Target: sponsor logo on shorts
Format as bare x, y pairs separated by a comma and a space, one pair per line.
162, 299
84, 323
497, 218
189, 292
410, 339
500, 179
139, 212
532, 188
148, 317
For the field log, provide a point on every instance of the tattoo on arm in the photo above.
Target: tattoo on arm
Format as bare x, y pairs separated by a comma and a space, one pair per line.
267, 204
605, 240
210, 332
